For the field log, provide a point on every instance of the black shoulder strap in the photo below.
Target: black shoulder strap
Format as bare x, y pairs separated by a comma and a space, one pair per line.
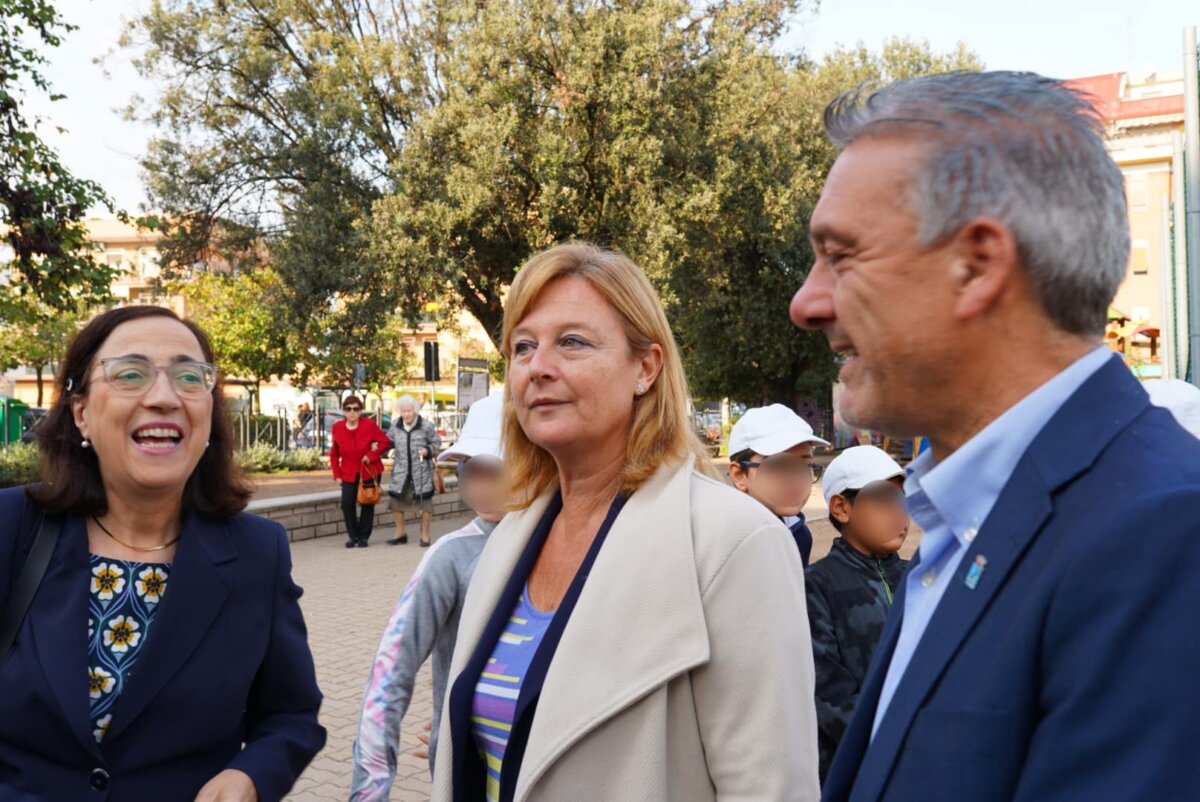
24, 589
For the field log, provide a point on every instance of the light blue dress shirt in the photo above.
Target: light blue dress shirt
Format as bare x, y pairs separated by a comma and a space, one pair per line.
950, 501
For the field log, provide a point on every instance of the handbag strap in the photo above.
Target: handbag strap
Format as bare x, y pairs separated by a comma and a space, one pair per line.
25, 588
368, 472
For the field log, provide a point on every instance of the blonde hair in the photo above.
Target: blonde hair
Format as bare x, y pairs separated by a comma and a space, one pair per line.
659, 433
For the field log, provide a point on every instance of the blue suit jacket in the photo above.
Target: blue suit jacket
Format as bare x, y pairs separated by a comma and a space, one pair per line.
1072, 670
226, 678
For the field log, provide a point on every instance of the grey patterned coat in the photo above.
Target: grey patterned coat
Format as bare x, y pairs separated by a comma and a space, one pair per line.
407, 457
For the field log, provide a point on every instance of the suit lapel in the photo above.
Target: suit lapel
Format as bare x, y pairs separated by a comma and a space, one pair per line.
1065, 448
195, 594
58, 625
638, 623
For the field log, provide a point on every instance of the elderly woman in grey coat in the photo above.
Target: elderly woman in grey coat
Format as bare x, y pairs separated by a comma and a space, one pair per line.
416, 441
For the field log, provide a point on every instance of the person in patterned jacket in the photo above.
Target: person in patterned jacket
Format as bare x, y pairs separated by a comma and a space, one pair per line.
850, 591
425, 620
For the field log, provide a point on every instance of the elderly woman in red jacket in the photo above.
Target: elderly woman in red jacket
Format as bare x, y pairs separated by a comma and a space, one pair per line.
357, 449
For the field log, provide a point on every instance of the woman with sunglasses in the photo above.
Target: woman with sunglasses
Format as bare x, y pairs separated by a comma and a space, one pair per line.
158, 649
356, 452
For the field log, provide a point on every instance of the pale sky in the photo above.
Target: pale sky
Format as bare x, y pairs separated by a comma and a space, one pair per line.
1061, 38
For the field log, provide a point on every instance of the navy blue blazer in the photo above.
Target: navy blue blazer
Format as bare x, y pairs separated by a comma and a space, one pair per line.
1071, 670
226, 679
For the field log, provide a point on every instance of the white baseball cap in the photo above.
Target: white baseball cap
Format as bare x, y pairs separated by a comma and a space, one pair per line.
480, 436
1178, 397
770, 430
857, 467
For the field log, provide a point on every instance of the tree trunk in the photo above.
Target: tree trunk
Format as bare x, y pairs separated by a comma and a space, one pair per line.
38, 373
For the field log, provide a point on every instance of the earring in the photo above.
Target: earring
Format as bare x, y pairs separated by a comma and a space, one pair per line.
641, 389
86, 443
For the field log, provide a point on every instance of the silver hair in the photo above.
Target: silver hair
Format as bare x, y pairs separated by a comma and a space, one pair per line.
407, 400
1024, 149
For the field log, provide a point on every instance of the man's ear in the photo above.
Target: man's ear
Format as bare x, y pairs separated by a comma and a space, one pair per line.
986, 261
839, 508
737, 475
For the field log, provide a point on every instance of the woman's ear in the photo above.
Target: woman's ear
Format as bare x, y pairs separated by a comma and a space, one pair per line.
79, 413
650, 366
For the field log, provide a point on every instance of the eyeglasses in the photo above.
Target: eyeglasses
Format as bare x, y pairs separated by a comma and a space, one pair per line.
135, 375
881, 492
351, 409
784, 468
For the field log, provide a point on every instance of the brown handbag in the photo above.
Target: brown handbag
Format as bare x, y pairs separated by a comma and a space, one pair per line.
369, 487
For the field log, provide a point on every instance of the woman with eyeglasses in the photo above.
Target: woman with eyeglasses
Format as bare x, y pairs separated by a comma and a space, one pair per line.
357, 453
150, 633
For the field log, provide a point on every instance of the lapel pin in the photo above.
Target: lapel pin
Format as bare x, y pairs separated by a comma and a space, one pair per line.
975, 572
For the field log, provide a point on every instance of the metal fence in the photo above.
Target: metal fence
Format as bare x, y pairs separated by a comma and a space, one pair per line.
274, 430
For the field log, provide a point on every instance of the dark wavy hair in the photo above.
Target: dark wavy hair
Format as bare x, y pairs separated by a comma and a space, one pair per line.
70, 474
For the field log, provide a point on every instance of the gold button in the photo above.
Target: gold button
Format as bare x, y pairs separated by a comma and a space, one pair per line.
927, 579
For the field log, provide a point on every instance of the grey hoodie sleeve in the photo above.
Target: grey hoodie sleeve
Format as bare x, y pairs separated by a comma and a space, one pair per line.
412, 632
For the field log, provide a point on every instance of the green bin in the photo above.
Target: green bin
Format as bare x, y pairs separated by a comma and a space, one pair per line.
12, 420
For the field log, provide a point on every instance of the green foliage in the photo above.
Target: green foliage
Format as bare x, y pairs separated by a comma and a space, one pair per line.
266, 458
18, 464
396, 155
36, 336
747, 231
260, 458
41, 204
240, 314
304, 459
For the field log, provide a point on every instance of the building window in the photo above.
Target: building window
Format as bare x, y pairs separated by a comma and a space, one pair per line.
1139, 257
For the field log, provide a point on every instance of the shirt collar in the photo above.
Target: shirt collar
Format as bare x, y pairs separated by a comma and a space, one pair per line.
963, 488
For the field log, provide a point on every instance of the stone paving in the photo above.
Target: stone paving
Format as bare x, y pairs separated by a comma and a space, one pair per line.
348, 596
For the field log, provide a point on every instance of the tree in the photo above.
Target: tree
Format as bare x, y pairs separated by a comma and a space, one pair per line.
240, 314
41, 203
37, 336
730, 310
400, 154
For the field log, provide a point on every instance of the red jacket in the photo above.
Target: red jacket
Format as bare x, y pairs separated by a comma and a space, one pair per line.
349, 446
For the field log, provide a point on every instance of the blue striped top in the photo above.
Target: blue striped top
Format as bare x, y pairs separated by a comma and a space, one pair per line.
495, 704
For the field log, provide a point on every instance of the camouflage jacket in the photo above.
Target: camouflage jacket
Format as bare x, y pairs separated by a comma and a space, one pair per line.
849, 595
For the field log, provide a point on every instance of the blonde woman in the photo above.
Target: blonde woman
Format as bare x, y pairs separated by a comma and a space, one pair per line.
635, 629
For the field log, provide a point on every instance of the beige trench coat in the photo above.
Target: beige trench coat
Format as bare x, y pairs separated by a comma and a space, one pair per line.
685, 672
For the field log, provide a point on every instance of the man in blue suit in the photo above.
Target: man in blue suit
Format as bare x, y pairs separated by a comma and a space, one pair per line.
1044, 644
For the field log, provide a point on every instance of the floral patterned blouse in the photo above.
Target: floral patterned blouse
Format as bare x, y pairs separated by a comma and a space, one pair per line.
121, 606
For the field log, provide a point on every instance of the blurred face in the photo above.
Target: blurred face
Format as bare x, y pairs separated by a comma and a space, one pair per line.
485, 487
782, 482
353, 413
884, 302
572, 375
148, 428
875, 519
408, 414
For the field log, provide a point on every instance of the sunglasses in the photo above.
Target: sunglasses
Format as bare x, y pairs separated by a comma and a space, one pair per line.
781, 467
351, 409
134, 376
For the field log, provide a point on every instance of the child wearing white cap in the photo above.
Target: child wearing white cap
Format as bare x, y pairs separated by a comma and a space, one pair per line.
425, 620
771, 459
850, 591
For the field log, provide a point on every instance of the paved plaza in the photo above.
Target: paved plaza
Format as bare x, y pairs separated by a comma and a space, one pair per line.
348, 596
